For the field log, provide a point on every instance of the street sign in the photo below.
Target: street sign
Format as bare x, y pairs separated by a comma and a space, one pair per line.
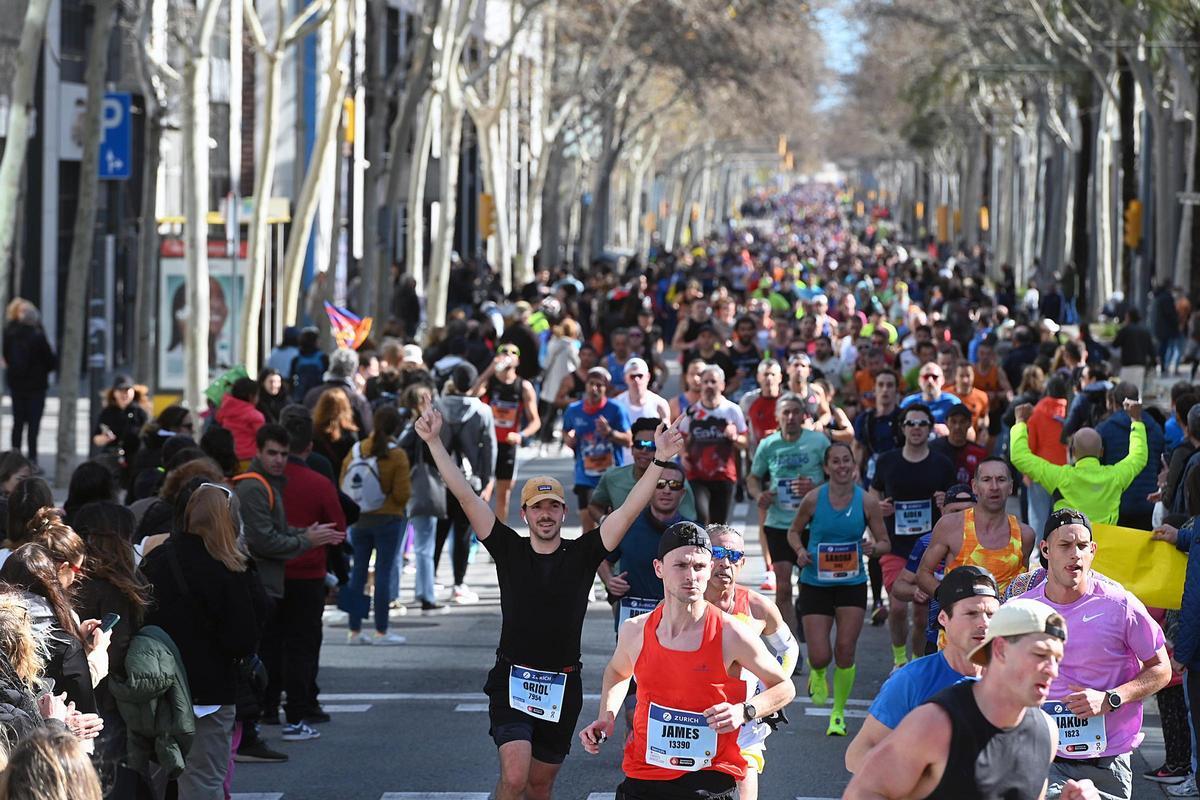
116, 138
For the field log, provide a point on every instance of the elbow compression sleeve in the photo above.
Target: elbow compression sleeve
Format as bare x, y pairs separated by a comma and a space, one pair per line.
784, 647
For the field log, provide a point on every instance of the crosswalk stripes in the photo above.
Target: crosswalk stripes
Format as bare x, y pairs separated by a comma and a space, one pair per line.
256, 796
825, 712
470, 698
348, 709
475, 707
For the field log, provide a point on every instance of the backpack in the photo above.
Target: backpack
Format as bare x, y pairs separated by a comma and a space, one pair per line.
308, 371
254, 476
361, 481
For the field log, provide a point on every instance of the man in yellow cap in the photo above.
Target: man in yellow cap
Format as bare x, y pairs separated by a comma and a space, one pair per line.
534, 690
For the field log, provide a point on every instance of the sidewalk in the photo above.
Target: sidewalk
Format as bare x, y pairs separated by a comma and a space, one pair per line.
48, 435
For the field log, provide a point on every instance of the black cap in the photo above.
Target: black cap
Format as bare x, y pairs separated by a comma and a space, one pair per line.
958, 410
682, 534
963, 582
960, 493
122, 382
1062, 517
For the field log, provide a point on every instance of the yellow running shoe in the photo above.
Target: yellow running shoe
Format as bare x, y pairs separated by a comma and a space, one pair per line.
818, 689
837, 726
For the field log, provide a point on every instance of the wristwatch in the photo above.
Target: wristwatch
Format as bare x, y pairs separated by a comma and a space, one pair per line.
1114, 700
658, 462
749, 711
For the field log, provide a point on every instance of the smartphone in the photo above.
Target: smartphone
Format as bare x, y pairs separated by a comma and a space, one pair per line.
109, 622
47, 687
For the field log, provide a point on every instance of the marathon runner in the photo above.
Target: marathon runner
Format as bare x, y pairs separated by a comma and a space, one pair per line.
715, 429
513, 402
616, 483
967, 600
787, 465
956, 445
691, 387
931, 395
758, 407
833, 583
1117, 657
910, 484
985, 739
534, 690
983, 535
812, 395
597, 429
689, 711
761, 616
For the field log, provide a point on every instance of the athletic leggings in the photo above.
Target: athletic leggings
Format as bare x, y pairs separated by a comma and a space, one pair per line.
713, 501
455, 519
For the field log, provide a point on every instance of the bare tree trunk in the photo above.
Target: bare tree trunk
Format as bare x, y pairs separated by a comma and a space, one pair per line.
375, 267
75, 310
17, 142
418, 174
439, 267
323, 151
145, 309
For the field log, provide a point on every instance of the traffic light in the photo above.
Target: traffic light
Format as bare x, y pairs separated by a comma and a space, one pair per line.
1133, 224
487, 216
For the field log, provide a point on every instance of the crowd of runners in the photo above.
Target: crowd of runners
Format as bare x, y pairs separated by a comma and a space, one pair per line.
924, 444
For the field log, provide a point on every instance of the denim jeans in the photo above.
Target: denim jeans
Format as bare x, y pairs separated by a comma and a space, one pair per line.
383, 541
1039, 506
424, 535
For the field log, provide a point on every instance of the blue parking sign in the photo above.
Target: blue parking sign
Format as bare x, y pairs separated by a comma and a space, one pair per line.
116, 139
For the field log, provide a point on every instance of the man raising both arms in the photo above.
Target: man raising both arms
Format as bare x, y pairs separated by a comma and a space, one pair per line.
688, 656
983, 535
985, 739
534, 690
761, 616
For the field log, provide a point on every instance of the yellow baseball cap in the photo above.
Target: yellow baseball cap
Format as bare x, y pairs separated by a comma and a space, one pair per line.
542, 487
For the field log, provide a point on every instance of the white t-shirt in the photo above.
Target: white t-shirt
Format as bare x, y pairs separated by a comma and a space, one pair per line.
653, 405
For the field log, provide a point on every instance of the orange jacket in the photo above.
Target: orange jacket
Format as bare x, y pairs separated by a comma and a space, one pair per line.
1045, 430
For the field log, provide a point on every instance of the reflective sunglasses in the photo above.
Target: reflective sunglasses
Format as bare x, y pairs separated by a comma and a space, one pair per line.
916, 423
643, 444
930, 376
508, 350
733, 556
673, 485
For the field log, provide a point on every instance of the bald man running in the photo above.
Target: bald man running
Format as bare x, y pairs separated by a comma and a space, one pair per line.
1084, 483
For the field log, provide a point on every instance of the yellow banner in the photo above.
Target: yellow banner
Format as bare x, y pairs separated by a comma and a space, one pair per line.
1153, 571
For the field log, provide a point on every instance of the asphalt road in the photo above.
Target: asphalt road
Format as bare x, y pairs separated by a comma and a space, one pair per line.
410, 722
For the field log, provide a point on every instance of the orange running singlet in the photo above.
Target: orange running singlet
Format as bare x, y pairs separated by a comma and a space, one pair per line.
1004, 564
670, 736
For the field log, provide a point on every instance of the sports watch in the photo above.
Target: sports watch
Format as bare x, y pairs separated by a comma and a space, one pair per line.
749, 711
1114, 700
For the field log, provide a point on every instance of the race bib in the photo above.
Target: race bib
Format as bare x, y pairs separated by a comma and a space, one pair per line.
914, 517
597, 459
631, 607
1077, 738
536, 693
505, 414
786, 495
679, 740
838, 562
871, 468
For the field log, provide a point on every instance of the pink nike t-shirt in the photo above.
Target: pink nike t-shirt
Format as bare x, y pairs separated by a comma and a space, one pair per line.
1109, 634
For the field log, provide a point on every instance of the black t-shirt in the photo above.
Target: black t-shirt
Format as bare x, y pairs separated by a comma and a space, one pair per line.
877, 433
543, 598
911, 485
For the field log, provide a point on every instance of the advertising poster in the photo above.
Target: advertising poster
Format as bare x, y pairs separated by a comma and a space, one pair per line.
226, 291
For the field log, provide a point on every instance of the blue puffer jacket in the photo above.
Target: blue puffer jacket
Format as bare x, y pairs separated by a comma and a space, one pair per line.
1187, 638
1114, 431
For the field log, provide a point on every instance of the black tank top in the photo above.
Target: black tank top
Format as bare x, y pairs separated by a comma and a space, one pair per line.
986, 762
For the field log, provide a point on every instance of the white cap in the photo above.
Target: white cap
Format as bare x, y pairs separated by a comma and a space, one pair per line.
636, 366
412, 355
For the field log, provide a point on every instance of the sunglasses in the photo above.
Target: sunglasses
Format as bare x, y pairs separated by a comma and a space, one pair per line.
228, 492
673, 485
643, 444
930, 375
508, 351
916, 423
734, 556
635, 375
74, 569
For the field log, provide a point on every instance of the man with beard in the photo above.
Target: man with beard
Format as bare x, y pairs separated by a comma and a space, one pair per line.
744, 354
715, 430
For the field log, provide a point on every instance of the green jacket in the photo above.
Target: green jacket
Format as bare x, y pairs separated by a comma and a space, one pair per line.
155, 702
1086, 485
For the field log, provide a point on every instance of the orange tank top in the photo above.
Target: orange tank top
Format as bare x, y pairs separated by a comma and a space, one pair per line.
670, 737
741, 603
988, 381
1004, 564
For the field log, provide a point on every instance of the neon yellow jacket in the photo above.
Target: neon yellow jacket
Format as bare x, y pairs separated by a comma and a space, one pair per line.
1086, 485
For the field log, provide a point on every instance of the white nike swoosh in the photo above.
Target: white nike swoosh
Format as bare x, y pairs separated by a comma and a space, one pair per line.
1092, 617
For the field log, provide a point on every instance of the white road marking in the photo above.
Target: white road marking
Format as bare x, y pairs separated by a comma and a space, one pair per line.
435, 796
349, 709
602, 796
851, 702
471, 707
825, 712
257, 795
477, 697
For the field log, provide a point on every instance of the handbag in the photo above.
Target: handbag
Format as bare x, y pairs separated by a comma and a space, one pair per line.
428, 496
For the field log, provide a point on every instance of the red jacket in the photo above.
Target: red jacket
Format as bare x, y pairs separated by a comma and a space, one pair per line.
309, 498
1045, 430
243, 420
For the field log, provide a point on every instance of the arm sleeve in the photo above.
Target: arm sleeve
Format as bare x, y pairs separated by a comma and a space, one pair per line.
1142, 634
1128, 467
1187, 635
1179, 459
758, 466
1039, 469
258, 522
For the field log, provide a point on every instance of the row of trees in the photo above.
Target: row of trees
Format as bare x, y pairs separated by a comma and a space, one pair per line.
1053, 115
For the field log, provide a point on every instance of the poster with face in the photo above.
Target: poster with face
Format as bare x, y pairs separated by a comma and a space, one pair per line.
226, 290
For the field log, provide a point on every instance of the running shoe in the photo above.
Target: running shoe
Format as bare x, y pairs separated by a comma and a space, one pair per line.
768, 582
463, 595
428, 609
397, 608
879, 614
386, 639
1165, 774
818, 689
300, 732
358, 637
837, 726
1185, 789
